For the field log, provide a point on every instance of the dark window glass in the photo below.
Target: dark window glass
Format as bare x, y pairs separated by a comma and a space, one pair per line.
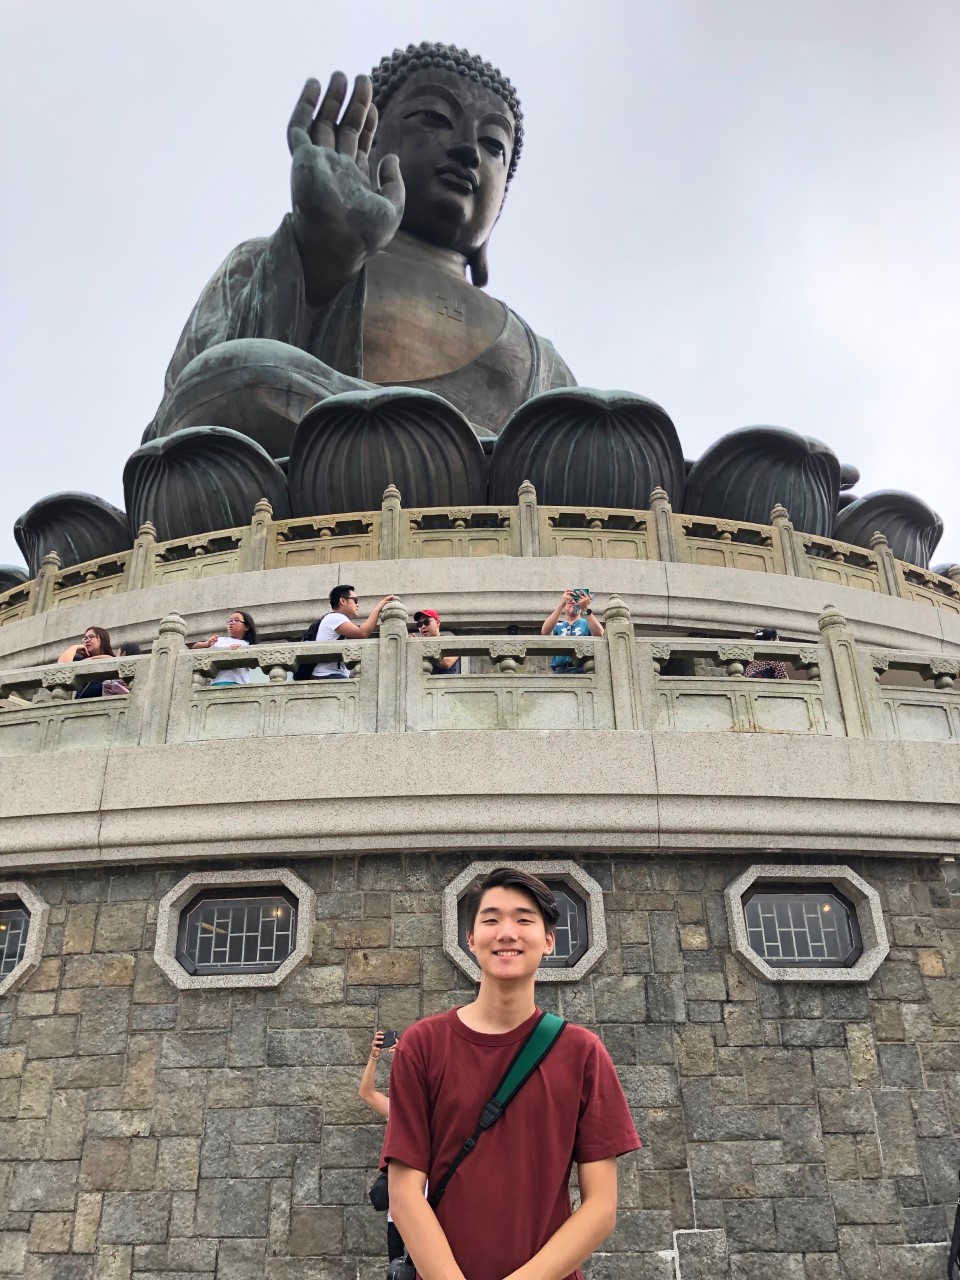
237, 931
14, 927
808, 925
571, 935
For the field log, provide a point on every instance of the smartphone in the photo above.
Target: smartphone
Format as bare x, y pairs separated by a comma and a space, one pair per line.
580, 593
389, 1039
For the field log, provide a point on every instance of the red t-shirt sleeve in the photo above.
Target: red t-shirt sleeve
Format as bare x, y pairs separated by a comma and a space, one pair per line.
408, 1124
605, 1128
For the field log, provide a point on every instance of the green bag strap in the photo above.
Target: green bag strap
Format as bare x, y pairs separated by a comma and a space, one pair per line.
532, 1052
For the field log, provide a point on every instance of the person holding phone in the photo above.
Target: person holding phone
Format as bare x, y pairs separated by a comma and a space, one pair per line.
383, 1042
572, 617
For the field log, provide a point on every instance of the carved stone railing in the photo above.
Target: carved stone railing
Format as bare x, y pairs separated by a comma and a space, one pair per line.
836, 688
528, 529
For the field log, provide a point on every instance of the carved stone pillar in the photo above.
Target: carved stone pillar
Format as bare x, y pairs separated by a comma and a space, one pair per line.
660, 531
390, 525
256, 539
46, 582
624, 669
529, 520
392, 669
889, 569
162, 679
143, 558
856, 686
785, 539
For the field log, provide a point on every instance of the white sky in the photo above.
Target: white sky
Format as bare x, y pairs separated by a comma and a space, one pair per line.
747, 210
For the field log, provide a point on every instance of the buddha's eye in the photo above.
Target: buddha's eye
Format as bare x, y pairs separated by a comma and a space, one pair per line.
436, 118
495, 147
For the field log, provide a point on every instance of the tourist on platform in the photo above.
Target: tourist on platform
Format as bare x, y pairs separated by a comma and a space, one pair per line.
95, 644
428, 626
380, 1103
572, 617
341, 624
766, 668
507, 1210
241, 632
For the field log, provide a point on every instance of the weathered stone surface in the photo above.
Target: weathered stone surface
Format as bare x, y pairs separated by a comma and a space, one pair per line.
134, 1218
233, 1207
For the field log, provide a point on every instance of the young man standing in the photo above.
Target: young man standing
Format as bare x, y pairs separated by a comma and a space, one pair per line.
341, 624
577, 619
506, 1213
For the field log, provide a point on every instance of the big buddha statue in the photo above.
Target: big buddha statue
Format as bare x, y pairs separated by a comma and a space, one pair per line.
377, 274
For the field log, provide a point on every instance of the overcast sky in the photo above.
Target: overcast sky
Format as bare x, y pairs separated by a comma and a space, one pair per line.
747, 210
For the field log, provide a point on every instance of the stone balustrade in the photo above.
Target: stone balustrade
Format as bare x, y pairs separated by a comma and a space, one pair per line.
528, 529
838, 688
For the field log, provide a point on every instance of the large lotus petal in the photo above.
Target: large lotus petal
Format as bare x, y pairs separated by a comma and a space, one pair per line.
201, 479
911, 527
77, 526
350, 447
747, 472
585, 448
11, 576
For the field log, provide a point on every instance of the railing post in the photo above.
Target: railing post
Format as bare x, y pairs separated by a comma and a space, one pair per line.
889, 570
162, 679
624, 671
794, 561
662, 535
256, 537
143, 558
390, 524
46, 582
392, 669
529, 520
856, 685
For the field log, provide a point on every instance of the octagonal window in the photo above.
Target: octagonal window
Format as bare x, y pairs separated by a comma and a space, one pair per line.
230, 931
14, 928
802, 925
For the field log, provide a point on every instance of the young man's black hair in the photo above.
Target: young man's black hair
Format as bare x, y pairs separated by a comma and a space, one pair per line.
512, 878
339, 593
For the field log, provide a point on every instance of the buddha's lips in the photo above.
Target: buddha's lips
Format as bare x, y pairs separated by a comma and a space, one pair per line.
462, 177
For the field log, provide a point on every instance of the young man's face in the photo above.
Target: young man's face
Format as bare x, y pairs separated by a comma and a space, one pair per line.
509, 938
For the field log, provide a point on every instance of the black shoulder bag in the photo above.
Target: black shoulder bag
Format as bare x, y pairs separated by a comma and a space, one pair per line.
532, 1052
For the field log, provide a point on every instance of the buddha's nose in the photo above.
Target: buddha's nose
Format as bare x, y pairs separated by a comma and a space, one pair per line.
465, 152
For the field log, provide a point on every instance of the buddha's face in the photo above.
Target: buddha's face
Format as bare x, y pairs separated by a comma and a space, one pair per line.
454, 139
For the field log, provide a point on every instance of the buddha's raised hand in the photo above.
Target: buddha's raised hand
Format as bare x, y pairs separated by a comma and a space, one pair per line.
341, 216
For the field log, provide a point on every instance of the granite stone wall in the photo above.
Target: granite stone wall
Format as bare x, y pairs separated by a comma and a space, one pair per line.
808, 1132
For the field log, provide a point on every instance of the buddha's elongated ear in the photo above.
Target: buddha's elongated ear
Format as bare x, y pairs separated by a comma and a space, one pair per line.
479, 266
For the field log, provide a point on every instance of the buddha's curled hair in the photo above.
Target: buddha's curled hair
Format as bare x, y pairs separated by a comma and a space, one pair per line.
402, 63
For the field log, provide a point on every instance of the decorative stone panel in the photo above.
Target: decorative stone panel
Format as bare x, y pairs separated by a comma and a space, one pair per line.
185, 890
563, 870
39, 913
866, 903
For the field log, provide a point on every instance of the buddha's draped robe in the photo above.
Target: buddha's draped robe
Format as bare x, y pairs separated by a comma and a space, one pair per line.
255, 355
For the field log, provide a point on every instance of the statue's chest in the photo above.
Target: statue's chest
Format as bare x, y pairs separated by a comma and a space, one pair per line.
421, 324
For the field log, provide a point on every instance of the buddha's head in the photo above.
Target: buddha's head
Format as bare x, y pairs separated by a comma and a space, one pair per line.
455, 123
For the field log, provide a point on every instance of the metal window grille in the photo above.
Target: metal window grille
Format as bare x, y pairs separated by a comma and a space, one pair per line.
802, 927
14, 927
237, 934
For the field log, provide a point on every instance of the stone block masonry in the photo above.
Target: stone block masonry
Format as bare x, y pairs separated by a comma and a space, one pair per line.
807, 1131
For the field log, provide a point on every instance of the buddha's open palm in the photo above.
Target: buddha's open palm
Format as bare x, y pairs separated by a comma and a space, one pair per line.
341, 214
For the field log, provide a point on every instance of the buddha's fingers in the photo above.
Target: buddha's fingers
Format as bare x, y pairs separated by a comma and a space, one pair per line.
324, 131
354, 118
391, 183
365, 141
298, 130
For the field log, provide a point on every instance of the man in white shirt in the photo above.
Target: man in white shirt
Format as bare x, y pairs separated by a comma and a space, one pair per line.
341, 624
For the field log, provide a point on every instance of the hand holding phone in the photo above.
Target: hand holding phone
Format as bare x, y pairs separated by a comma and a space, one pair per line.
389, 1040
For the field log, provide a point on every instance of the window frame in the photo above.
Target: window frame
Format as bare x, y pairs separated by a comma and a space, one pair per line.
798, 889
223, 884
860, 896
38, 913
235, 893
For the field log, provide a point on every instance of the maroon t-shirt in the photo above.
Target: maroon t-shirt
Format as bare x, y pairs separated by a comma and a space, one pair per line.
511, 1193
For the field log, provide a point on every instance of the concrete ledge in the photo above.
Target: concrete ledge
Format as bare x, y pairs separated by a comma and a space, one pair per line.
280, 797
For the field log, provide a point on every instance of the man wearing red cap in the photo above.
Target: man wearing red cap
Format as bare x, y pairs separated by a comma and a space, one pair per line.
428, 624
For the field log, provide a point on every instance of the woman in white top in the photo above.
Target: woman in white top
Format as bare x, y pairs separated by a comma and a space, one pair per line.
240, 633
